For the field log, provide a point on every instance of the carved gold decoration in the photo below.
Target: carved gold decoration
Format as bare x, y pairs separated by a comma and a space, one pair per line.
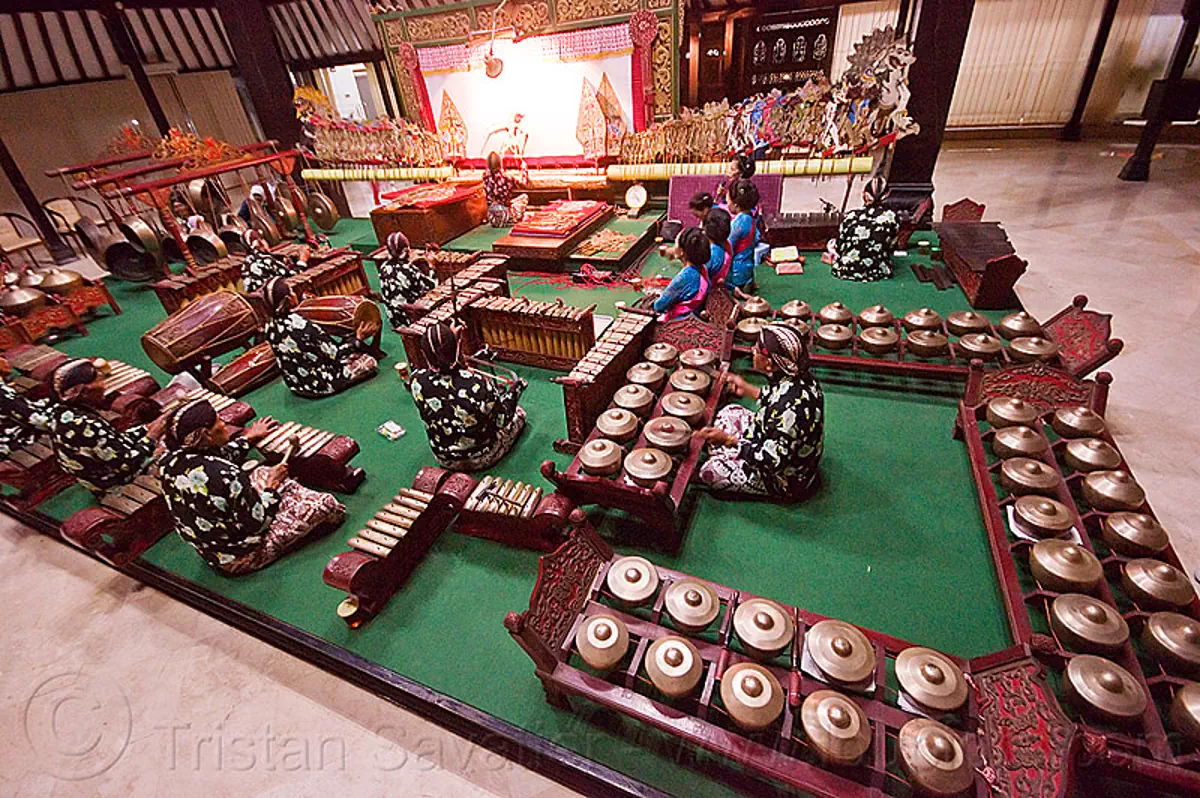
655, 5
437, 27
393, 32
525, 18
574, 10
661, 62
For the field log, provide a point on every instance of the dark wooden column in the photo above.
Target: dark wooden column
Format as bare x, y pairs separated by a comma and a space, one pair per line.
1137, 168
59, 250
381, 77
261, 66
1074, 128
118, 30
940, 37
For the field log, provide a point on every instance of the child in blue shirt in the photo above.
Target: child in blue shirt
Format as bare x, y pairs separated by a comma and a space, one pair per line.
743, 234
687, 290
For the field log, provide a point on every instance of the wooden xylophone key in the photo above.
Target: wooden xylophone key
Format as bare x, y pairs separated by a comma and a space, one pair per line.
277, 438
130, 498
531, 503
383, 538
312, 440
368, 547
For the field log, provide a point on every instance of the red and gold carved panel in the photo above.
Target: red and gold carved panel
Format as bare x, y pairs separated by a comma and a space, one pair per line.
574, 10
662, 59
525, 18
438, 27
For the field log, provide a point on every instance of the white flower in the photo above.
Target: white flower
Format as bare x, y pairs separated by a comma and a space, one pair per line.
105, 454
203, 525
225, 559
253, 539
88, 432
259, 512
196, 481
220, 503
288, 346
67, 417
435, 404
787, 420
329, 348
235, 488
69, 464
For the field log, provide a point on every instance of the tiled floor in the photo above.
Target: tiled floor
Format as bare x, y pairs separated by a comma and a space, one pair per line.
109, 689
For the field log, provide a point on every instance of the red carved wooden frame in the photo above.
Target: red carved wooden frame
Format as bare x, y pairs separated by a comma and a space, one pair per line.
965, 210
1084, 337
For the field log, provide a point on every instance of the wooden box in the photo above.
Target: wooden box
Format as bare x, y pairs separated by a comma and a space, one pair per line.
433, 222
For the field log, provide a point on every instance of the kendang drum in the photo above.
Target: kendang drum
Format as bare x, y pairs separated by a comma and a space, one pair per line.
211, 325
341, 315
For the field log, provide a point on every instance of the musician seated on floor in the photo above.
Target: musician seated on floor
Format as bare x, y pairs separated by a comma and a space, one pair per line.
238, 521
700, 204
743, 167
686, 292
88, 447
313, 361
22, 420
866, 238
261, 264
402, 281
716, 230
773, 451
472, 418
257, 194
503, 209
745, 234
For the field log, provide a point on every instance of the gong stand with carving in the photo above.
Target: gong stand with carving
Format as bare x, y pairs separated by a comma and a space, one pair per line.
1143, 750
1012, 726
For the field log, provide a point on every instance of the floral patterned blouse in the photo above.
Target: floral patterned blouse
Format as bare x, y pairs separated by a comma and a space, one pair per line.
498, 188
865, 242
462, 410
312, 361
401, 283
216, 509
96, 453
259, 267
22, 420
787, 436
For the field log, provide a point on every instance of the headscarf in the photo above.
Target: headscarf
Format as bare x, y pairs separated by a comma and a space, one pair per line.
252, 238
875, 190
72, 375
785, 348
276, 294
397, 243
439, 345
258, 192
189, 423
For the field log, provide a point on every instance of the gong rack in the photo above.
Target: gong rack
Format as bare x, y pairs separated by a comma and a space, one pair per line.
1084, 338
1144, 751
571, 587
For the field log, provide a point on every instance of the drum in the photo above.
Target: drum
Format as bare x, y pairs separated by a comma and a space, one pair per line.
341, 315
211, 325
253, 368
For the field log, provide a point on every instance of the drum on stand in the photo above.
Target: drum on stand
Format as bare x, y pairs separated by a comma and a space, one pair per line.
212, 325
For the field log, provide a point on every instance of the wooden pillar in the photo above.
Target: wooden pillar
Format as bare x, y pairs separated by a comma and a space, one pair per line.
113, 15
261, 66
940, 38
381, 76
59, 250
1137, 168
1074, 128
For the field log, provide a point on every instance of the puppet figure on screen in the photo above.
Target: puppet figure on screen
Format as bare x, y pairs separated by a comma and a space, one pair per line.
237, 520
510, 140
774, 451
87, 446
472, 418
686, 292
261, 264
745, 234
313, 361
505, 206
22, 420
402, 280
867, 238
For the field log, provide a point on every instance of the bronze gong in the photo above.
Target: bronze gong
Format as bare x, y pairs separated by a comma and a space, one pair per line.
647, 466
834, 336
1104, 689
926, 343
875, 316
1084, 623
1006, 411
617, 424
1154, 584
879, 340
1173, 640
1019, 325
1113, 490
1091, 454
836, 313
661, 354
1018, 441
1134, 534
1041, 517
668, 433
1077, 422
796, 309
752, 695
922, 319
602, 641
1185, 712
1024, 475
842, 652
1064, 567
633, 580
600, 457
692, 605
691, 380
650, 375
934, 758
931, 679
836, 727
634, 398
764, 627
966, 322
674, 666
1033, 348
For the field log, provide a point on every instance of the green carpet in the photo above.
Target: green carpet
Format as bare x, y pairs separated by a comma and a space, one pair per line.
894, 541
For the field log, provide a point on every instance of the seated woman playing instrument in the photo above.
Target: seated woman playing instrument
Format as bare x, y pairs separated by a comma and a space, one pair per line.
742, 168
313, 361
472, 418
237, 521
402, 281
776, 451
261, 264
866, 238
700, 204
22, 420
744, 235
88, 447
686, 292
716, 229
504, 210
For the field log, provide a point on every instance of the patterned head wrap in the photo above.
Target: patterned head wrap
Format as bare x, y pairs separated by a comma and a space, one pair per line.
439, 345
875, 190
785, 348
71, 375
397, 243
276, 294
189, 423
253, 239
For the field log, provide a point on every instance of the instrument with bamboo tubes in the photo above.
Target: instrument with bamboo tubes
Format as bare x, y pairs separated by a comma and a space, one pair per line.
486, 271
792, 167
378, 173
340, 275
386, 550
180, 290
321, 459
543, 334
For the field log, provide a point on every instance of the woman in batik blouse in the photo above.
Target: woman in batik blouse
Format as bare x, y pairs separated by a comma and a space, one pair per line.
313, 361
867, 238
472, 419
261, 264
505, 206
238, 521
22, 419
402, 281
88, 447
774, 451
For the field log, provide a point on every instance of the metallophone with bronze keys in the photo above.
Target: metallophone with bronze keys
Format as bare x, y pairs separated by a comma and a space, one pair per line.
549, 335
490, 271
386, 551
449, 263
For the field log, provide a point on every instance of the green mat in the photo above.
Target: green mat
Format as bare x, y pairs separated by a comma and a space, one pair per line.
894, 540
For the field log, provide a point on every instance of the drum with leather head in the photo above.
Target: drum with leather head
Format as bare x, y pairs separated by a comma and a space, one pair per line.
341, 315
211, 325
